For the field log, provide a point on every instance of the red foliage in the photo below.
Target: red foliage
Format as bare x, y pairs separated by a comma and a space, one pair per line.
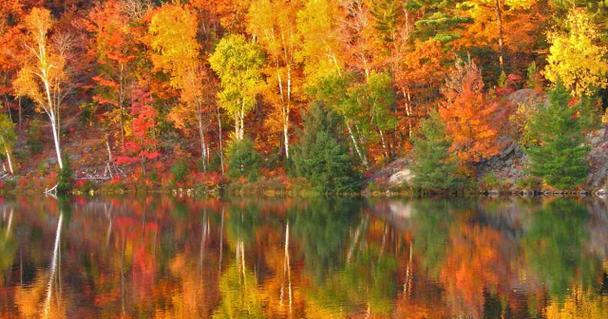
142, 142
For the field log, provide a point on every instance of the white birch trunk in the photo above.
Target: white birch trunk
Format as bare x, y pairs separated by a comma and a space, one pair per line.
56, 139
356, 145
9, 160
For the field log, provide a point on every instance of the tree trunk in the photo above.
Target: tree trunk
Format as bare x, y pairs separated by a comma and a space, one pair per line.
201, 133
8, 159
56, 140
356, 145
498, 9
121, 106
242, 124
219, 134
20, 113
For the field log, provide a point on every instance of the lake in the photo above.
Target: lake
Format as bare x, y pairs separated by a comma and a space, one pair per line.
167, 257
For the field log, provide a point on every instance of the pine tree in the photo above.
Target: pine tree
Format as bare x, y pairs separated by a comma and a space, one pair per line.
243, 159
557, 148
321, 157
434, 166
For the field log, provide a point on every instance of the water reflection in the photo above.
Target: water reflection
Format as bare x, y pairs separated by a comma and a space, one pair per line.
156, 257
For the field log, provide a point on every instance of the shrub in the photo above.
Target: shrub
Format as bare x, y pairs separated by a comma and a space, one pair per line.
434, 167
34, 136
557, 148
243, 159
320, 156
490, 181
179, 171
529, 182
65, 179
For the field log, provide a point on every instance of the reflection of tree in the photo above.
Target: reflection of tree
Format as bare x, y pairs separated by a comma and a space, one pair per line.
473, 266
367, 282
241, 224
8, 246
44, 296
240, 297
580, 303
432, 219
322, 228
554, 246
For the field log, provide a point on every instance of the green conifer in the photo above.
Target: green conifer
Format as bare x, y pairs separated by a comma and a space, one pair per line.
557, 148
434, 167
321, 157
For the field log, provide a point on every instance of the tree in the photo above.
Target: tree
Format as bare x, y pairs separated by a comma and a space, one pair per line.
471, 120
11, 14
42, 77
374, 102
557, 149
177, 52
143, 140
503, 27
421, 71
238, 64
274, 23
115, 52
575, 56
320, 156
7, 139
434, 165
243, 160
320, 50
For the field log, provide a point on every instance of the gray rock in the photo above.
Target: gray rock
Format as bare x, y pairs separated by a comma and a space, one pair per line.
402, 177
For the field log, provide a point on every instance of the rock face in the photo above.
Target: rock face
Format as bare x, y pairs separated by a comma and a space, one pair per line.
527, 96
395, 174
508, 166
598, 159
402, 177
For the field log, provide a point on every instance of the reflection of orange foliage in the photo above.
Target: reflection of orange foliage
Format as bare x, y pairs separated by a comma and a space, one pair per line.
473, 265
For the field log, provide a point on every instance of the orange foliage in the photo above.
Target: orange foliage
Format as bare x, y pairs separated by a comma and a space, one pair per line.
472, 120
473, 266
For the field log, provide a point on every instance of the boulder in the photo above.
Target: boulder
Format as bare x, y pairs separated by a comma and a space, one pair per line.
400, 178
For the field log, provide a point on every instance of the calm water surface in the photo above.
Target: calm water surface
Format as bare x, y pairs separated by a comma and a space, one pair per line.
162, 257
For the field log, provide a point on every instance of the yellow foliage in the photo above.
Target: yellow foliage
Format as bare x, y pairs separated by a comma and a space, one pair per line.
579, 304
575, 58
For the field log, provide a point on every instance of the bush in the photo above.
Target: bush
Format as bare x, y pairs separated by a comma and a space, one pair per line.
434, 167
490, 181
179, 171
557, 148
65, 179
529, 183
34, 137
243, 159
320, 156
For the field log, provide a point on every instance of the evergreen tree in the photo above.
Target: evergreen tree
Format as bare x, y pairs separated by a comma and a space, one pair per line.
243, 159
434, 167
321, 158
557, 148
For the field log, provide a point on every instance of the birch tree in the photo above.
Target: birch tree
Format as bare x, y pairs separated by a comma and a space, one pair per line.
273, 22
177, 52
238, 64
42, 77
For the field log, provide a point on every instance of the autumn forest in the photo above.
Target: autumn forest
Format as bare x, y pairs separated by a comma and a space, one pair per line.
321, 95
